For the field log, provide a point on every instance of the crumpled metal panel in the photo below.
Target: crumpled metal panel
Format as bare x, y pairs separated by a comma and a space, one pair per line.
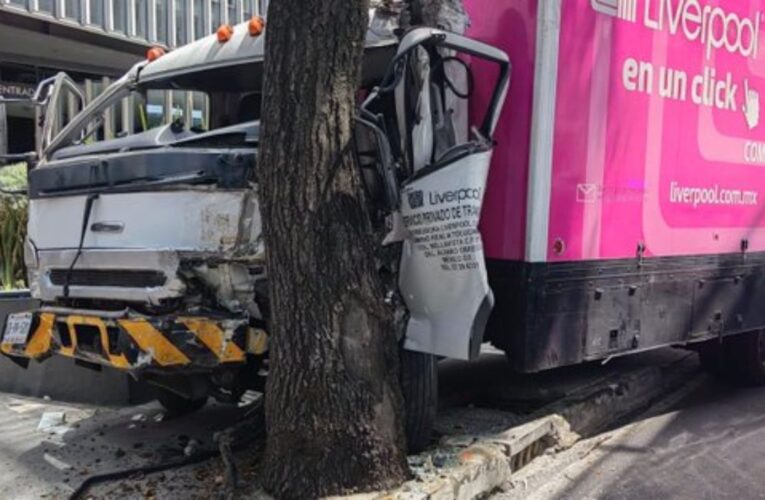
133, 343
443, 277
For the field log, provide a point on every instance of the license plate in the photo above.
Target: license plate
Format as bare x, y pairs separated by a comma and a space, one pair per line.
17, 328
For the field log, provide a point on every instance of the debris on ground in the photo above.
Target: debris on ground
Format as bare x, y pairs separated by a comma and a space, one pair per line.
476, 446
191, 448
53, 422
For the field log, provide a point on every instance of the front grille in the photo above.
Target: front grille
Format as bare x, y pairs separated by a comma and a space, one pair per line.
109, 278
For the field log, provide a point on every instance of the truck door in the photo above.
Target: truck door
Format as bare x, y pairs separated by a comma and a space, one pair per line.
442, 152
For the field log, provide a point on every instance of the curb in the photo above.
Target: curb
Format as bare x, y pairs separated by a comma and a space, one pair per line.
481, 464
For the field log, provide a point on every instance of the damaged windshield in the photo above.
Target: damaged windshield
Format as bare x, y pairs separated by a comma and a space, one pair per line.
128, 116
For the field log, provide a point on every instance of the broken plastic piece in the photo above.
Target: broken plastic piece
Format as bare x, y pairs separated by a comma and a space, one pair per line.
399, 231
54, 422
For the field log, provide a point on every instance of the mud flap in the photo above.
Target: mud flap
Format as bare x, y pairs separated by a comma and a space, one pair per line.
443, 277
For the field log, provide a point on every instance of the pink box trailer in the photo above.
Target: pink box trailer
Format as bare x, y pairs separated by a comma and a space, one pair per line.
623, 209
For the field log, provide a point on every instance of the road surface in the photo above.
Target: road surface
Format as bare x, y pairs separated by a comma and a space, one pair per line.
709, 445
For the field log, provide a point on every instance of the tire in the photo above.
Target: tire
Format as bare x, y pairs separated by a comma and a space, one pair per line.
746, 358
419, 383
739, 359
178, 405
711, 357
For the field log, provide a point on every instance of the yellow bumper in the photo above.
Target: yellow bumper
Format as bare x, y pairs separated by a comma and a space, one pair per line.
164, 343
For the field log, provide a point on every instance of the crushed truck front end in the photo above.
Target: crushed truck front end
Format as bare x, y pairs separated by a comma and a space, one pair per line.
138, 343
145, 249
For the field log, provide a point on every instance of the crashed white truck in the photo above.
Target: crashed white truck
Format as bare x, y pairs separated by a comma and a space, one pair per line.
145, 251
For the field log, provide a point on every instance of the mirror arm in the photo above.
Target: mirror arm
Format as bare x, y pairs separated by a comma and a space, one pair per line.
7, 160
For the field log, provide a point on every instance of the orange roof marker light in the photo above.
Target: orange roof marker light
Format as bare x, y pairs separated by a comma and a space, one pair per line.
225, 32
154, 53
256, 26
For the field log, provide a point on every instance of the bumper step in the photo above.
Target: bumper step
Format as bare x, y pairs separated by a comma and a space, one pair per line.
180, 344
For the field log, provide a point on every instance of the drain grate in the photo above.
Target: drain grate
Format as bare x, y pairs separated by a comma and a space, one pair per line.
525, 456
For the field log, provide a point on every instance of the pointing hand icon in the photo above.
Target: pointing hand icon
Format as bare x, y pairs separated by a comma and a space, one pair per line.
751, 106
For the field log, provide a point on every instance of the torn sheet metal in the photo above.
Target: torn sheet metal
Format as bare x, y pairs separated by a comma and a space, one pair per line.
443, 277
448, 15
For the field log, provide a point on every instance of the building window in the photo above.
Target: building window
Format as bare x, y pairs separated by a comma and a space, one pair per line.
154, 116
179, 106
200, 27
96, 12
217, 15
250, 9
119, 15
232, 17
161, 19
181, 33
199, 111
142, 18
72, 9
20, 3
45, 6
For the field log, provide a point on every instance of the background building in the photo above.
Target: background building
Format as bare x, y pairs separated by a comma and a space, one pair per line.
95, 41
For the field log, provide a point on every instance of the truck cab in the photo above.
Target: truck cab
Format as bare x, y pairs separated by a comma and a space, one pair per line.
146, 251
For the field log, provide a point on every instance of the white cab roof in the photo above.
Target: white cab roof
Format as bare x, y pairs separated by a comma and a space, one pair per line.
208, 53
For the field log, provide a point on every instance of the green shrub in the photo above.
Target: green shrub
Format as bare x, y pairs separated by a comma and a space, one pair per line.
13, 227
13, 177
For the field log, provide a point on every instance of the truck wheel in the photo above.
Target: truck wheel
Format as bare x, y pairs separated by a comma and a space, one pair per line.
739, 359
711, 357
746, 358
178, 405
419, 383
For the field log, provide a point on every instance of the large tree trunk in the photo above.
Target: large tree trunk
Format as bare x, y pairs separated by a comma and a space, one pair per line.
333, 406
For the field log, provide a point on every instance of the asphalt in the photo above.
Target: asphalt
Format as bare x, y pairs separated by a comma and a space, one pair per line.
707, 445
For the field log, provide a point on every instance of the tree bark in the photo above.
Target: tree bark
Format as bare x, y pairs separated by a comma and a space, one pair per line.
334, 408
448, 15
